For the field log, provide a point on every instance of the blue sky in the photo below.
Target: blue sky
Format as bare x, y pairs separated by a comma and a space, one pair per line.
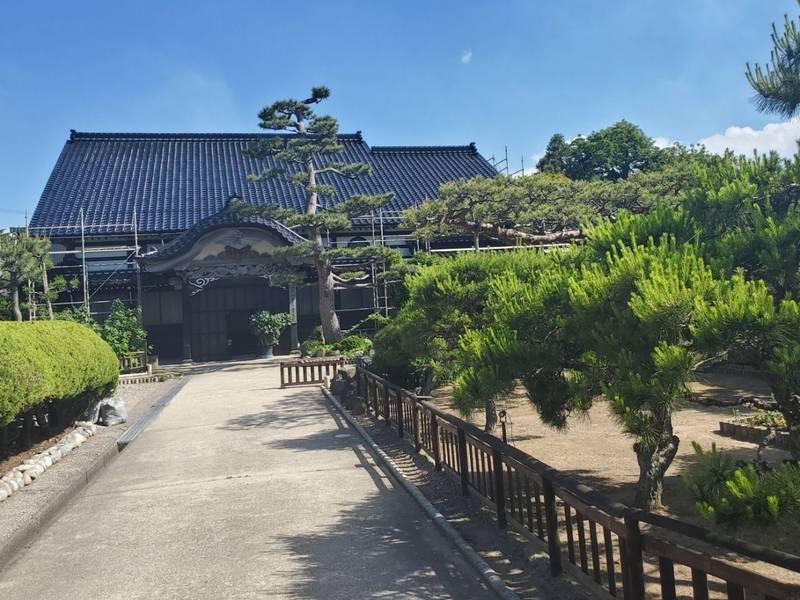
411, 72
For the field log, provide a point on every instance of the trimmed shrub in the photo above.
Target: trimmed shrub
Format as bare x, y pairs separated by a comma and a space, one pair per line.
52, 360
353, 345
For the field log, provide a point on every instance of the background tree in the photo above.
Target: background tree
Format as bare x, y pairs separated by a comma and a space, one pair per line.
555, 156
310, 150
23, 259
612, 153
777, 85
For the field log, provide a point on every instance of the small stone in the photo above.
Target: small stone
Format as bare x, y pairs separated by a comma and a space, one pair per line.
13, 485
35, 472
4, 485
46, 461
26, 466
3, 494
26, 478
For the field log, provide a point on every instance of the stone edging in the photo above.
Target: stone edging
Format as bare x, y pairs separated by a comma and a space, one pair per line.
753, 433
489, 575
30, 470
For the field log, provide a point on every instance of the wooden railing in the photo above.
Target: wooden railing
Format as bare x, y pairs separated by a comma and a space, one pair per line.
576, 522
133, 362
308, 371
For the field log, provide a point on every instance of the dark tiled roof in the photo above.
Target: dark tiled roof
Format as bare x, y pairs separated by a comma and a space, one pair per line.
223, 218
175, 180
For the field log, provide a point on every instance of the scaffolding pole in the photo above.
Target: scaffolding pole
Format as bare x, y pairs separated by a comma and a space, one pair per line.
83, 266
136, 266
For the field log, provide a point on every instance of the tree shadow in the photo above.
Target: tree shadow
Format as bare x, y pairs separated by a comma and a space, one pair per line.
299, 407
379, 548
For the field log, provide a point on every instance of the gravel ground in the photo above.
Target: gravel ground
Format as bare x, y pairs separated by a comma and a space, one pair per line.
594, 449
25, 507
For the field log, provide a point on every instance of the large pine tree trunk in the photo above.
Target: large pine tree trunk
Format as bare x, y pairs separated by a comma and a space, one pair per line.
15, 300
653, 463
327, 302
46, 290
490, 408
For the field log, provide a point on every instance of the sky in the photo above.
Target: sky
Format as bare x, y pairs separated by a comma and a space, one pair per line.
500, 74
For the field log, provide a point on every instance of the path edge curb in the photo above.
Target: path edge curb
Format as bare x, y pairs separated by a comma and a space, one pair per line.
486, 573
26, 534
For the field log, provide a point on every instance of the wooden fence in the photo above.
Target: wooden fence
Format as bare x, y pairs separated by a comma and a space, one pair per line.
308, 371
627, 552
133, 362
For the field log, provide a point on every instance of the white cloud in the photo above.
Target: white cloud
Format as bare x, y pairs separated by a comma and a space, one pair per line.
780, 137
662, 142
466, 56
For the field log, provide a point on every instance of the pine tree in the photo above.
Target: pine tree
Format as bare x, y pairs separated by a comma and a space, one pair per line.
777, 85
22, 259
309, 150
555, 155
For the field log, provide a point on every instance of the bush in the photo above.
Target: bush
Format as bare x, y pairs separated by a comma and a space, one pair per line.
735, 495
268, 326
52, 360
353, 345
78, 314
349, 346
122, 329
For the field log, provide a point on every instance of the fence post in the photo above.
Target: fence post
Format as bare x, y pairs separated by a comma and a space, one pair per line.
633, 567
283, 376
463, 465
551, 522
415, 424
437, 453
499, 488
400, 423
388, 413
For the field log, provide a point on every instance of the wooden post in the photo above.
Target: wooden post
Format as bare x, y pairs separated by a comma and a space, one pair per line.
437, 452
294, 342
551, 522
633, 565
415, 425
463, 464
186, 319
499, 488
388, 413
283, 376
400, 424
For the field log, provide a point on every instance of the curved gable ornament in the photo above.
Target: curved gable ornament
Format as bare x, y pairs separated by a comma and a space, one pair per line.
227, 245
201, 277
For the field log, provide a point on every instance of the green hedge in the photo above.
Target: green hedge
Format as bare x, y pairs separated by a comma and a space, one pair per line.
52, 360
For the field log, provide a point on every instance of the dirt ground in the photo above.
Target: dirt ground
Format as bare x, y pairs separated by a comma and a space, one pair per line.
594, 450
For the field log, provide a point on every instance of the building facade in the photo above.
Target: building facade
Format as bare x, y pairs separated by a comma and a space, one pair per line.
146, 218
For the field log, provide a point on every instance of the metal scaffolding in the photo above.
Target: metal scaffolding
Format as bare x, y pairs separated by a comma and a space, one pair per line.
130, 253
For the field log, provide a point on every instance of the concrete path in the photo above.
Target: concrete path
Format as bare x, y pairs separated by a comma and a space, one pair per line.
241, 490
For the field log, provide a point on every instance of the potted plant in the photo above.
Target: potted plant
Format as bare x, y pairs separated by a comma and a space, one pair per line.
268, 328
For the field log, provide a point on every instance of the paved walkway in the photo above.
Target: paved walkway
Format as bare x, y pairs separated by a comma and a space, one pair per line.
241, 490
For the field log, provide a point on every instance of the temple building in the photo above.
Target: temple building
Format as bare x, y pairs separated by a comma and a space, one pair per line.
145, 218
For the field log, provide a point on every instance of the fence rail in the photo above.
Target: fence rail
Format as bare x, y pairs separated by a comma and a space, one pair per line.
133, 362
604, 539
308, 371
